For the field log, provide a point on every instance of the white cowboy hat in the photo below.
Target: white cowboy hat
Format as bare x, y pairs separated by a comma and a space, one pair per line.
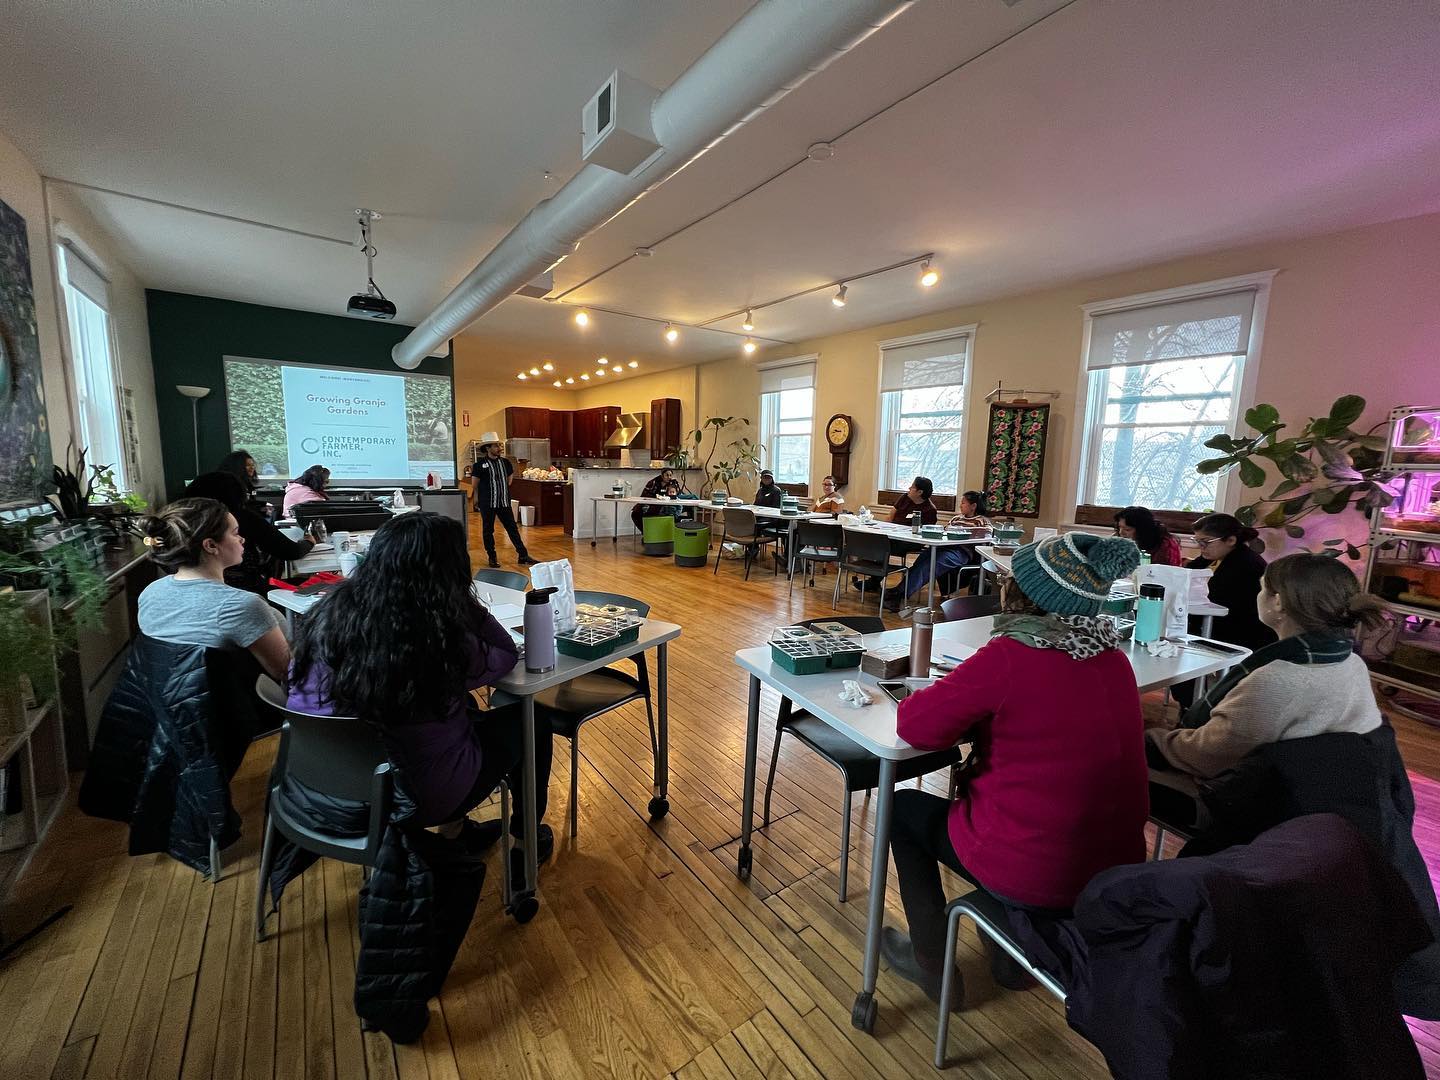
489, 437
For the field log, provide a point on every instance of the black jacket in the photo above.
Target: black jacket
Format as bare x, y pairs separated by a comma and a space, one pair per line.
414, 911
266, 549
172, 735
1269, 961
769, 495
1235, 584
1360, 777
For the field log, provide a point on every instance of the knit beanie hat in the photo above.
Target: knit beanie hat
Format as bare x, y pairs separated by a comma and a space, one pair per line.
1072, 574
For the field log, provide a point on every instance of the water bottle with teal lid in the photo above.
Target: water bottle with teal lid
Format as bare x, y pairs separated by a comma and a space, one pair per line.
1150, 612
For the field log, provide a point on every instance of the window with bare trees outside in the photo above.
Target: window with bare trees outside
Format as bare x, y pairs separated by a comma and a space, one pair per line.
922, 409
1163, 378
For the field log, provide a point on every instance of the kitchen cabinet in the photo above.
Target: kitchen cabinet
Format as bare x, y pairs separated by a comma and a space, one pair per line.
664, 433
527, 423
548, 497
592, 427
562, 434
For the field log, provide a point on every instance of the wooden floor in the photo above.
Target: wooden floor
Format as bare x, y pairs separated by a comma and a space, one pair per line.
648, 956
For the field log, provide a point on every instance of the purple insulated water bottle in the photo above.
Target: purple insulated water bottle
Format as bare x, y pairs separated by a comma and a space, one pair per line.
539, 632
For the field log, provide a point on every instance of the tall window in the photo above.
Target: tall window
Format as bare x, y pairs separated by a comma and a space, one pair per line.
1162, 378
787, 418
97, 393
922, 409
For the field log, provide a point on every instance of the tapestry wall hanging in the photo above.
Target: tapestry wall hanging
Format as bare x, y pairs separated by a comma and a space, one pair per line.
1015, 458
24, 438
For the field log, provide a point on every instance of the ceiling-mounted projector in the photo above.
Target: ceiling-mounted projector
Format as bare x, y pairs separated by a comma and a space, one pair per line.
370, 304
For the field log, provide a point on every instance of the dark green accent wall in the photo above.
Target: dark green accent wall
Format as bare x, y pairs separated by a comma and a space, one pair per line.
189, 336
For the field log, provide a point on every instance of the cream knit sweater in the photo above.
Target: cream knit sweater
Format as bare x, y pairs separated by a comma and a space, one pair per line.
1279, 701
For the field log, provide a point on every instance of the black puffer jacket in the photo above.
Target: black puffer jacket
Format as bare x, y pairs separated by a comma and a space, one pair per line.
414, 911
173, 733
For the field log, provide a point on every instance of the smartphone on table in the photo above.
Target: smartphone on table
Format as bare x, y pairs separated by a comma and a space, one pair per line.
899, 689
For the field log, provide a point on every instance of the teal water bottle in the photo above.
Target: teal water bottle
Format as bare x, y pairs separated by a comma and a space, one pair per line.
1150, 613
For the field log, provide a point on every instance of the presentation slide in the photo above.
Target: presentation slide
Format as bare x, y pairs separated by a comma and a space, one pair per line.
369, 428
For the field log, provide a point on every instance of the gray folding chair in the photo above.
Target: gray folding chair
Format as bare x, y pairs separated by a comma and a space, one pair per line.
816, 542
990, 919
960, 608
739, 527
866, 555
506, 579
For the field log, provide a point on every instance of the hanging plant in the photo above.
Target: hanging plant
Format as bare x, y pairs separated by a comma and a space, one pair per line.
1326, 469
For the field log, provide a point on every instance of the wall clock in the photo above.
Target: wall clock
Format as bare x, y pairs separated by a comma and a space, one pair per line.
839, 432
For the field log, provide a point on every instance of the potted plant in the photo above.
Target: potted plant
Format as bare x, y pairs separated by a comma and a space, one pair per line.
741, 455
27, 656
1326, 468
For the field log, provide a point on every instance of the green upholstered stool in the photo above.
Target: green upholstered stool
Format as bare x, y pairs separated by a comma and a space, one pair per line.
692, 544
657, 534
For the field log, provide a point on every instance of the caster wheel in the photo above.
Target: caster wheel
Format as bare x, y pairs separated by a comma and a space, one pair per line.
862, 1013
659, 807
742, 866
525, 910
592, 543
1388, 691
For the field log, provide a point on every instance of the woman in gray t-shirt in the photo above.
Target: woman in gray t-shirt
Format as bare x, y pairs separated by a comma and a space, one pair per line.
193, 541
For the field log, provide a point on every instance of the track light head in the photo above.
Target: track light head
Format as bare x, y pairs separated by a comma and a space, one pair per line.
547, 366
603, 361
585, 377
749, 346
582, 318
522, 376
671, 334
749, 323
556, 383
534, 371
839, 298
929, 276
634, 363
570, 380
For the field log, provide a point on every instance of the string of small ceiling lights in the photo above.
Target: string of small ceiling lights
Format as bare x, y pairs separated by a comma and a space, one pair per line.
929, 277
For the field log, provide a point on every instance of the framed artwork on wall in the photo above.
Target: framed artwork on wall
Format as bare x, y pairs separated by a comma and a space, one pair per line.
25, 462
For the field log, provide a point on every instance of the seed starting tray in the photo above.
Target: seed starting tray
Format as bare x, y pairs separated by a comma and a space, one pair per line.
801, 650
599, 631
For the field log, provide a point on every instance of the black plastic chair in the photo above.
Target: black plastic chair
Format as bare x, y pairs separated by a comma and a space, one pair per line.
816, 542
571, 705
859, 769
960, 608
346, 516
506, 579
339, 756
739, 527
866, 555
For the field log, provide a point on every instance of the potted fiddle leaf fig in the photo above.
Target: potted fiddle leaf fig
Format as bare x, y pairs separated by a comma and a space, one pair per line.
1326, 468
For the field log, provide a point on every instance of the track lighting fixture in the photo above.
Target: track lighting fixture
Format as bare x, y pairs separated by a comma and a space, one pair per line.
569, 380
584, 378
749, 323
749, 346
582, 318
522, 376
839, 298
671, 334
603, 361
928, 274
634, 363
548, 366
601, 371
534, 371
556, 384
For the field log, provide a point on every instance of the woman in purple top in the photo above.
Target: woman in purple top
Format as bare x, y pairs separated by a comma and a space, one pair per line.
401, 643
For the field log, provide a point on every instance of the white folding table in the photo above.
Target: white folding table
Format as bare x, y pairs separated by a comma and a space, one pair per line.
525, 685
904, 534
874, 728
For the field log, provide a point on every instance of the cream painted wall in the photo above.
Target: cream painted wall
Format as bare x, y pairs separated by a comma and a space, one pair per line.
21, 187
477, 392
1349, 312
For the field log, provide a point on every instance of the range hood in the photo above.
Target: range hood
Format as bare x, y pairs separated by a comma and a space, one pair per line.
631, 431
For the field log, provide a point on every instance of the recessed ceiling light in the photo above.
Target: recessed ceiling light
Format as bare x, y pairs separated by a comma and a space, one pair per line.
671, 334
582, 318
839, 298
522, 376
634, 363
603, 361
601, 371
928, 274
548, 366
534, 371
585, 378
749, 346
749, 323
570, 380
555, 383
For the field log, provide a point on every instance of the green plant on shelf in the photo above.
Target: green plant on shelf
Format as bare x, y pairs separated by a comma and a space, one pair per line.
1326, 468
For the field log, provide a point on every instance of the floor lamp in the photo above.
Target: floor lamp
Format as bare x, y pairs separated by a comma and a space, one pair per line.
195, 393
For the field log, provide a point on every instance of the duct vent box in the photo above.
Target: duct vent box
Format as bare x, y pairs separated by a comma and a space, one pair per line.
616, 124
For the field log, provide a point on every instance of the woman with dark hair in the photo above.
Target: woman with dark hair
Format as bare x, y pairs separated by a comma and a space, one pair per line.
950, 559
239, 464
654, 487
916, 498
1059, 790
1308, 682
401, 643
309, 486
194, 541
265, 545
1138, 523
1235, 579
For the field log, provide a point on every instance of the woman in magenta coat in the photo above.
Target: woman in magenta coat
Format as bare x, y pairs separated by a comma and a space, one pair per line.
1059, 790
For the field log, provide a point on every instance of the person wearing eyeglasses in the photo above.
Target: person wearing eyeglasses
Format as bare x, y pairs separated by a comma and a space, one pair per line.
1236, 572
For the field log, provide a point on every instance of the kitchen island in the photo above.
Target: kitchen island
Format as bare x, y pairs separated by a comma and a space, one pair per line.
590, 484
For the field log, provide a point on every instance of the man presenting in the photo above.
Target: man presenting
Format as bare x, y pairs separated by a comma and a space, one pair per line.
490, 489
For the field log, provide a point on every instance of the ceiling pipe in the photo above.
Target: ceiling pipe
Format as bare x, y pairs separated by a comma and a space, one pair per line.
771, 49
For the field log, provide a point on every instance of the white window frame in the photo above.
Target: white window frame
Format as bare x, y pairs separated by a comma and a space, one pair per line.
766, 432
1084, 445
887, 436
124, 465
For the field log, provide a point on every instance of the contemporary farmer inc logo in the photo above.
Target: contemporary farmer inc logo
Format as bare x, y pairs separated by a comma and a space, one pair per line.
353, 424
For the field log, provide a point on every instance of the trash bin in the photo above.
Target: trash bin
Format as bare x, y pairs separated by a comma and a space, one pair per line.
692, 544
657, 534
527, 515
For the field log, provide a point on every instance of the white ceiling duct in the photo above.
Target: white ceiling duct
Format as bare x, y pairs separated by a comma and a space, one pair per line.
771, 49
